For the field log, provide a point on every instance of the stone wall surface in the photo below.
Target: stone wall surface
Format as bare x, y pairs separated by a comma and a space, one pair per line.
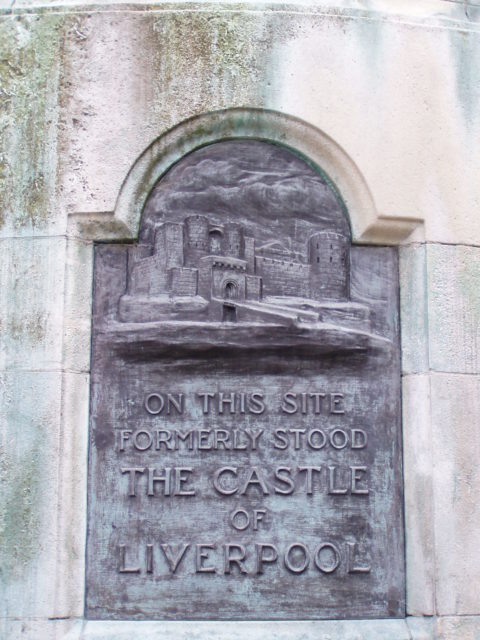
393, 88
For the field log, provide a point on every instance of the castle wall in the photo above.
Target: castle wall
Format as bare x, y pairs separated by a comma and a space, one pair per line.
253, 285
233, 242
283, 278
183, 281
149, 277
205, 277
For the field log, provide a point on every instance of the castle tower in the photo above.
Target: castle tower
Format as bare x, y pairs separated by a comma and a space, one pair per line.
234, 244
250, 254
196, 239
173, 245
216, 242
328, 254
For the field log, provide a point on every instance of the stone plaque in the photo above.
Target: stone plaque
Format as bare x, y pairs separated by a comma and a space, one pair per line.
245, 446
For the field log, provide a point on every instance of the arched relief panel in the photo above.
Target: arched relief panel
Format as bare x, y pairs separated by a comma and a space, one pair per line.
368, 225
245, 438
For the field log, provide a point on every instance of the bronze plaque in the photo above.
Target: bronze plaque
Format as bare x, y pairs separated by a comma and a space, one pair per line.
245, 446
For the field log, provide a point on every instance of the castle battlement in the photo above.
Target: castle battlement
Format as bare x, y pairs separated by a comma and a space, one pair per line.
199, 258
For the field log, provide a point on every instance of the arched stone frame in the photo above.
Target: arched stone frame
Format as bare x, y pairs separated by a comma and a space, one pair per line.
367, 225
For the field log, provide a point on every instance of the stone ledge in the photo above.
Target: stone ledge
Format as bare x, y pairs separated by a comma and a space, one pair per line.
287, 630
413, 628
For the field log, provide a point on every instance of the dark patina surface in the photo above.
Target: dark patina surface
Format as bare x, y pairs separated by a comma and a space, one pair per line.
245, 444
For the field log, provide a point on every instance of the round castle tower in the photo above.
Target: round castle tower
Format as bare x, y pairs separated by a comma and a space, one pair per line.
196, 239
328, 254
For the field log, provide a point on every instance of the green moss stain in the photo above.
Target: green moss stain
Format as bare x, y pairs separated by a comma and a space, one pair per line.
30, 329
29, 70
19, 512
23, 471
207, 60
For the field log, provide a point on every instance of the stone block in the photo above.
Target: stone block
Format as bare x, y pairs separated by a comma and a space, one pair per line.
413, 308
418, 487
421, 628
72, 496
31, 124
32, 275
42, 499
457, 628
78, 306
453, 274
45, 303
455, 402
35, 629
440, 308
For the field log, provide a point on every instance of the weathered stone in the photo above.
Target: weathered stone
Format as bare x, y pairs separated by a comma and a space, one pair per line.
96, 110
454, 308
30, 122
414, 308
455, 401
457, 628
198, 60
43, 442
421, 628
78, 306
48, 629
285, 630
419, 498
32, 275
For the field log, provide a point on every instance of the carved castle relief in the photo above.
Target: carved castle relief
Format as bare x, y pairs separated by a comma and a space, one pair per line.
201, 271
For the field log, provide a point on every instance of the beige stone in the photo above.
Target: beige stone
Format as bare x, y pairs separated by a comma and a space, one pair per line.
454, 308
413, 162
421, 628
440, 308
458, 628
393, 85
78, 306
455, 402
419, 495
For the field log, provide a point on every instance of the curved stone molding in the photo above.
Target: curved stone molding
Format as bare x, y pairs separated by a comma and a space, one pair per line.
304, 139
